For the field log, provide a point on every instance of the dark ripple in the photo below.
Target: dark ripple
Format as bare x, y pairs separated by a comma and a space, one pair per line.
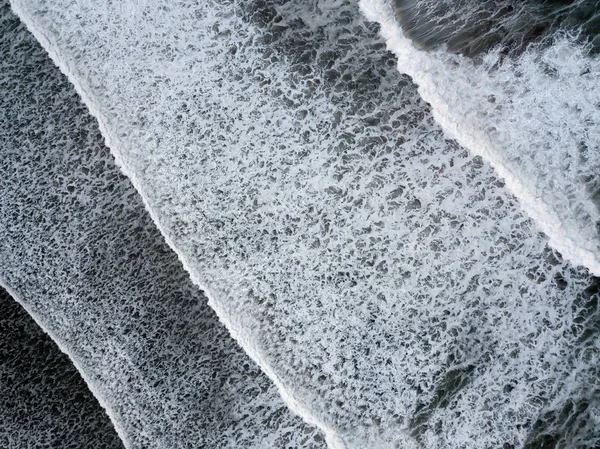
471, 27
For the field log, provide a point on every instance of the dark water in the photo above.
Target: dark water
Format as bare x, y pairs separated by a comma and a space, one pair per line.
44, 401
471, 27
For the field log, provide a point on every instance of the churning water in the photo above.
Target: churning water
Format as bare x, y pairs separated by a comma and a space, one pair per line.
404, 242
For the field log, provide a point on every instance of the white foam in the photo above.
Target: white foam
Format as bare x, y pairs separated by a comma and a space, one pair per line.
535, 119
98, 393
382, 277
81, 254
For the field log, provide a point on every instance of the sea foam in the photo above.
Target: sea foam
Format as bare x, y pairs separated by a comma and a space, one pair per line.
45, 403
81, 254
382, 276
534, 117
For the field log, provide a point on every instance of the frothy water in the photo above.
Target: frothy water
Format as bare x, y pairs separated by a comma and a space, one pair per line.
383, 277
82, 255
472, 27
45, 403
534, 117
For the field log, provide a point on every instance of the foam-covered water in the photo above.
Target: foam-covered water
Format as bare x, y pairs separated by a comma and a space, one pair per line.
79, 251
534, 116
45, 403
471, 27
383, 277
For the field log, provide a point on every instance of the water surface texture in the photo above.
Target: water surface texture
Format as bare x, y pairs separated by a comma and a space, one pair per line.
380, 274
45, 402
534, 116
472, 27
80, 252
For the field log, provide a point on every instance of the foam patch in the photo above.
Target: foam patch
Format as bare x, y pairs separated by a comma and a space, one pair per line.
79, 251
45, 403
534, 117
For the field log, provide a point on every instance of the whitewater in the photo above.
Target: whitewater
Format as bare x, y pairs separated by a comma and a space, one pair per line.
82, 256
406, 274
35, 379
533, 117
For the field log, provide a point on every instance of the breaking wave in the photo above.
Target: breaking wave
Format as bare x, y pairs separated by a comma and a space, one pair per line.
534, 116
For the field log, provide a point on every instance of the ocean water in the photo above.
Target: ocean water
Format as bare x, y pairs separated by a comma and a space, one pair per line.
82, 256
472, 27
401, 258
533, 115
45, 403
